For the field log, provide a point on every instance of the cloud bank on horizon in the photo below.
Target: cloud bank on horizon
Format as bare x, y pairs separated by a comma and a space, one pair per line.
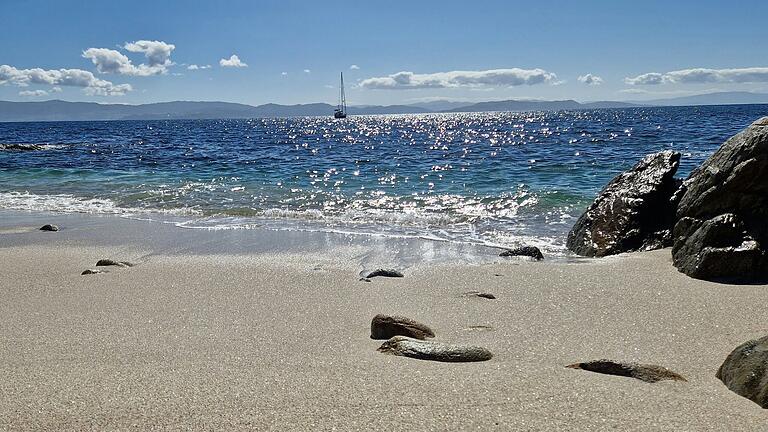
702, 76
453, 79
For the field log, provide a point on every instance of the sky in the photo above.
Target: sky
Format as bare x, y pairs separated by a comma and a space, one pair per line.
393, 52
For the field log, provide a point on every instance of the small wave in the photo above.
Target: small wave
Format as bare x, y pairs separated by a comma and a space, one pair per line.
66, 203
29, 147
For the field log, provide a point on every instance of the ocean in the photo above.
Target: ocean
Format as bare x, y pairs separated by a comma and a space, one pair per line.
498, 179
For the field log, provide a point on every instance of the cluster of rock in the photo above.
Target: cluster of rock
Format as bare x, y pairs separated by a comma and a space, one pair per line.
106, 263
717, 224
406, 337
715, 220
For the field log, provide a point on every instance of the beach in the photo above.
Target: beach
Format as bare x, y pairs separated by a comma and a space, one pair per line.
241, 336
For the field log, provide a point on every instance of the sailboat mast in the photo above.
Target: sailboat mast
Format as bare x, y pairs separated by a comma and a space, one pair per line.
343, 96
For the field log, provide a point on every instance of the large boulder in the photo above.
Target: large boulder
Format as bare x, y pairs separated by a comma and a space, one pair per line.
744, 371
635, 211
721, 233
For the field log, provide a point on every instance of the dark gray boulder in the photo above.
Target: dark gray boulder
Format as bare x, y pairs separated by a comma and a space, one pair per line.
49, 227
385, 327
111, 262
635, 211
642, 372
721, 233
529, 251
744, 371
383, 273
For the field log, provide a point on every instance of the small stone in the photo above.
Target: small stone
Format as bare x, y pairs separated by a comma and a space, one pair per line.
364, 280
385, 327
480, 327
647, 373
384, 273
91, 271
49, 227
109, 262
529, 251
435, 351
480, 294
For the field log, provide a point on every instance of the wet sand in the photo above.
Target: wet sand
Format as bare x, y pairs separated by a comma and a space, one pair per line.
210, 339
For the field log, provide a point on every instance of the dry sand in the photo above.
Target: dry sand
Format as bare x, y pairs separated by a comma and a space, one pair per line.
281, 342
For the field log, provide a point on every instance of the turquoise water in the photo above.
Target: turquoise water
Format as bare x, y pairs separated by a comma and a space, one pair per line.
492, 178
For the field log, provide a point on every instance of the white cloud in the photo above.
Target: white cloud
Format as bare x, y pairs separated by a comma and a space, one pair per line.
232, 61
112, 61
198, 67
590, 79
284, 73
453, 79
158, 53
33, 93
307, 71
702, 75
328, 86
354, 67
62, 77
652, 78
56, 90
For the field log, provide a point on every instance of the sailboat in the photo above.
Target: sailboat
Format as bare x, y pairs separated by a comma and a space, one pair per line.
341, 111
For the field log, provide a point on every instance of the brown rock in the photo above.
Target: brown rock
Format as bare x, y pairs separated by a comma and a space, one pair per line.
385, 327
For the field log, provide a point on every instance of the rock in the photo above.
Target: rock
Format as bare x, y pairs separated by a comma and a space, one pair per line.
480, 294
109, 262
385, 327
480, 327
647, 373
365, 280
435, 351
49, 227
384, 273
529, 251
721, 232
635, 211
91, 271
744, 371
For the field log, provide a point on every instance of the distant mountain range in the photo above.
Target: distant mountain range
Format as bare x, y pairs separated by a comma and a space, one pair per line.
57, 110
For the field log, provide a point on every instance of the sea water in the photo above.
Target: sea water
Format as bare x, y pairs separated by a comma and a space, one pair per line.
501, 179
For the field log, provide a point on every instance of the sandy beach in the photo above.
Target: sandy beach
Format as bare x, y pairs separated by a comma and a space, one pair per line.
280, 341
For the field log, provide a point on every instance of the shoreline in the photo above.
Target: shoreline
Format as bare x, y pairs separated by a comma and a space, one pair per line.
155, 236
279, 339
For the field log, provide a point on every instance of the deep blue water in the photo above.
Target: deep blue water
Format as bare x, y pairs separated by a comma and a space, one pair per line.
501, 178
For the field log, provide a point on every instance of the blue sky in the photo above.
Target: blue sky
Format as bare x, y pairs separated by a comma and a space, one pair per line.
403, 51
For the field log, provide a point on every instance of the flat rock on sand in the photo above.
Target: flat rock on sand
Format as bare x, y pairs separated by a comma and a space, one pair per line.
435, 351
643, 372
110, 262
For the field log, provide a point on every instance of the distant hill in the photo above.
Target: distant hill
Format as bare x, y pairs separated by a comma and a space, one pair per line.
534, 105
57, 110
440, 105
718, 98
